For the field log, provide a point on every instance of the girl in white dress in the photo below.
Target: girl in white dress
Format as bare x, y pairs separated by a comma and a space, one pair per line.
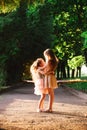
38, 79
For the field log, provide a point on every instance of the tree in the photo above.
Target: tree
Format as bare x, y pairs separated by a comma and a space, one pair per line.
28, 27
69, 21
76, 62
84, 39
23, 33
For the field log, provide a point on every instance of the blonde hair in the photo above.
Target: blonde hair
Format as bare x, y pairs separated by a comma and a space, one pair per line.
33, 69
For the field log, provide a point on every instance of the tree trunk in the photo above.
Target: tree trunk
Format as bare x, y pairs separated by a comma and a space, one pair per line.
68, 72
73, 71
78, 73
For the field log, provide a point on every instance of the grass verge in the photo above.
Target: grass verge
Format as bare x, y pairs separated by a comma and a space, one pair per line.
81, 86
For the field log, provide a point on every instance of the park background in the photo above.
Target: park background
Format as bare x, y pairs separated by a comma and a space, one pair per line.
28, 27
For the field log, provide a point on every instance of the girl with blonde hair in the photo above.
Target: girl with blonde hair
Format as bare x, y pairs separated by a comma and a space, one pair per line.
38, 79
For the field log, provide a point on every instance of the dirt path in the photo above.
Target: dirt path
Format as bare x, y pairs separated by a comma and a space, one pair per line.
18, 110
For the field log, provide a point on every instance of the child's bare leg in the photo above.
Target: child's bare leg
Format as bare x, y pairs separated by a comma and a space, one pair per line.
41, 101
51, 100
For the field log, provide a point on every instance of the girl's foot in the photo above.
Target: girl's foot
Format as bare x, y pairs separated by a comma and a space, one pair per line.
48, 110
40, 110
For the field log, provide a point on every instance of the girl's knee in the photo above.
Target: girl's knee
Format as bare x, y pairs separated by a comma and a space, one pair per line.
43, 95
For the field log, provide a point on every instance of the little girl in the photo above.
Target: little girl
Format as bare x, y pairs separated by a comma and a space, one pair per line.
37, 76
50, 82
38, 79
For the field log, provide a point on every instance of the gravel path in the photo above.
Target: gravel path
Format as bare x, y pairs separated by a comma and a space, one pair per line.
18, 110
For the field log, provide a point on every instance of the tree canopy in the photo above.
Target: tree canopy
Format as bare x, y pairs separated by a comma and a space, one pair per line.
28, 27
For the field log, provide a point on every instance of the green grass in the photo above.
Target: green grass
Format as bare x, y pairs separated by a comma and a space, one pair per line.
82, 86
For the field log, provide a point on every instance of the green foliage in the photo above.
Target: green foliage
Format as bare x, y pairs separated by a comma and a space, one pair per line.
69, 21
11, 5
84, 36
3, 77
8, 5
40, 28
76, 61
25, 31
28, 27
